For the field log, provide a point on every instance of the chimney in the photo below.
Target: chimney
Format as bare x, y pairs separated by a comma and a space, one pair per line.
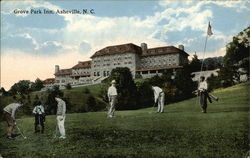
144, 47
57, 69
181, 47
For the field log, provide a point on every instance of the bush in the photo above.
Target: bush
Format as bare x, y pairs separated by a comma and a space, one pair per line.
91, 104
145, 96
68, 86
86, 91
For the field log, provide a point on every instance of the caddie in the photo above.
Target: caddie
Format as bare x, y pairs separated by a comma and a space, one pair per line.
39, 113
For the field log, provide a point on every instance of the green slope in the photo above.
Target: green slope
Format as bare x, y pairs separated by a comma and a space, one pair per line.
182, 131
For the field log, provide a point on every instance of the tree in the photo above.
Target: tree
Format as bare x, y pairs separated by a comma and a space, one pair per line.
184, 83
237, 56
50, 101
22, 87
3, 92
37, 85
195, 64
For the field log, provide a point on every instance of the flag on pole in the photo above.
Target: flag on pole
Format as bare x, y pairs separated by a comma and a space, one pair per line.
209, 30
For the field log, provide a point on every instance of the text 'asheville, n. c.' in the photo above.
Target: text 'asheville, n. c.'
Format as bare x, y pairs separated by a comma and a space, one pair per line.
57, 11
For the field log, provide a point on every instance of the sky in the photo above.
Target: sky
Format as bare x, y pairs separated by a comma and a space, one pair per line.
32, 44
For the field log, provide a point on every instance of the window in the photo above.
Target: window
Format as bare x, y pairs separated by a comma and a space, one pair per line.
98, 73
107, 73
104, 73
94, 73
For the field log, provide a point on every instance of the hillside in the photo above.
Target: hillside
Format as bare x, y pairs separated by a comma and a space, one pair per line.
76, 98
182, 131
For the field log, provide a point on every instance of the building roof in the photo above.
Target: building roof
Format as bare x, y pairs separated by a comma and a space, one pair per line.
163, 51
49, 81
159, 68
64, 72
118, 49
82, 64
81, 75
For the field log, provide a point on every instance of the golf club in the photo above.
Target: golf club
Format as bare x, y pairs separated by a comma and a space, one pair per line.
55, 132
24, 137
152, 108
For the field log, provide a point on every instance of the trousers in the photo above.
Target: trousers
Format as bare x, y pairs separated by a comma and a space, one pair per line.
60, 124
111, 110
203, 100
161, 101
10, 123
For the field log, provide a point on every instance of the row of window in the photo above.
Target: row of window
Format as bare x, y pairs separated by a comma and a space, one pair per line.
113, 64
115, 59
158, 65
77, 72
155, 60
105, 73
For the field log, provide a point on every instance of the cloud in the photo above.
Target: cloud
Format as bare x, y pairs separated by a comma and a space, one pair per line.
50, 47
84, 47
20, 41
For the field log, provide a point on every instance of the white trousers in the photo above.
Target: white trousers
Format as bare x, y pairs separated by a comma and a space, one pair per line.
60, 124
161, 101
111, 111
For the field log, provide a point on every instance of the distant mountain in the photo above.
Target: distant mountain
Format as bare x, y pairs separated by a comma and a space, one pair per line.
212, 63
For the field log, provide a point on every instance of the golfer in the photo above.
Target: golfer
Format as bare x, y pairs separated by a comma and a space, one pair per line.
112, 96
202, 91
61, 110
9, 114
159, 96
39, 113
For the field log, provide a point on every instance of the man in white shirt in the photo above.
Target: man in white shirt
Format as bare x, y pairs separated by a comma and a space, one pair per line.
9, 114
159, 98
61, 110
39, 113
202, 89
112, 96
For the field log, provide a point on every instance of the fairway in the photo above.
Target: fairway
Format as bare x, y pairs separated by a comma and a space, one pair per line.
181, 132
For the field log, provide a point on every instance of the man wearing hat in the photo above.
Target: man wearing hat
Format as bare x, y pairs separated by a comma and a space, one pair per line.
112, 96
9, 114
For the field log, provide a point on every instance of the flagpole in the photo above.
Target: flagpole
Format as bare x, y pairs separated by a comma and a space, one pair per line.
204, 52
209, 32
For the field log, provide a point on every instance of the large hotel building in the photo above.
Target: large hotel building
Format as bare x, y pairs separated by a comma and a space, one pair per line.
141, 60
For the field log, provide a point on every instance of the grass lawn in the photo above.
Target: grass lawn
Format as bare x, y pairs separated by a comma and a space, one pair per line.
182, 131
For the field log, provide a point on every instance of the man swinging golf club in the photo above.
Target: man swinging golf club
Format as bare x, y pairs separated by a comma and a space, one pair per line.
112, 96
159, 98
9, 114
61, 110
39, 113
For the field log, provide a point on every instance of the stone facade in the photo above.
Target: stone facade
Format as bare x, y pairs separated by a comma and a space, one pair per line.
140, 60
